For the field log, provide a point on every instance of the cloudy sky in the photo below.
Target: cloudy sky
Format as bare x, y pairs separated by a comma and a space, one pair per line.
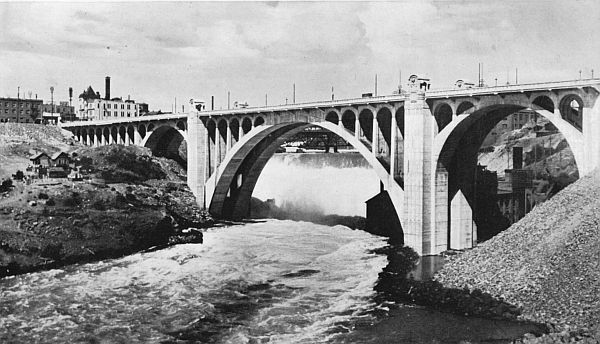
158, 51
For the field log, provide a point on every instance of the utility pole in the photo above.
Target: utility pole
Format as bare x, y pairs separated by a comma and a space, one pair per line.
18, 103
580, 74
516, 76
332, 96
228, 100
266, 100
51, 100
375, 85
294, 93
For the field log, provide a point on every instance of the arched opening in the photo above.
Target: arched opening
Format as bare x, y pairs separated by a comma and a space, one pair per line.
84, 137
130, 135
98, 138
259, 121
246, 125
142, 131
571, 110
106, 136
464, 108
122, 133
234, 126
181, 125
211, 127
443, 115
399, 162
365, 118
91, 137
384, 134
349, 120
242, 168
114, 135
544, 102
166, 141
492, 185
332, 117
150, 127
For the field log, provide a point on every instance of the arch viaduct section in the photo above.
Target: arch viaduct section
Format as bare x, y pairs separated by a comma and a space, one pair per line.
422, 144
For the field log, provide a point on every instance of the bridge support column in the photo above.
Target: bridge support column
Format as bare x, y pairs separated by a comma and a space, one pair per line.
137, 138
393, 144
375, 135
591, 139
197, 158
357, 127
229, 138
421, 181
126, 137
463, 231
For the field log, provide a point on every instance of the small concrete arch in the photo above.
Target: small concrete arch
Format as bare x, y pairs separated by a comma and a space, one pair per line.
384, 106
443, 115
142, 130
246, 125
122, 132
571, 110
166, 141
465, 107
114, 134
181, 125
332, 116
543, 102
349, 119
259, 120
150, 127
384, 131
106, 135
234, 127
400, 119
365, 118
91, 136
130, 134
98, 138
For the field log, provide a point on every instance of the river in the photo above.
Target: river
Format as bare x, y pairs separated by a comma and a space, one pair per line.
271, 281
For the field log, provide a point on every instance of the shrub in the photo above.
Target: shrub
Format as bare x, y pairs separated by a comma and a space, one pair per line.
43, 195
50, 202
6, 185
99, 205
72, 201
19, 175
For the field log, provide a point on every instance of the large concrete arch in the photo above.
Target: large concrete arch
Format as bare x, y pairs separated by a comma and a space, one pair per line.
228, 191
455, 151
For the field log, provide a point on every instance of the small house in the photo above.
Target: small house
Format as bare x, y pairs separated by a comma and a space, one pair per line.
60, 159
40, 160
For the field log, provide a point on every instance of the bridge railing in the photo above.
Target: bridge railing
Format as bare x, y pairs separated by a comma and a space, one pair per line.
538, 86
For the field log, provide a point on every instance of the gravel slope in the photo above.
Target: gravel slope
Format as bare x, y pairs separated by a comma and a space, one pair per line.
548, 263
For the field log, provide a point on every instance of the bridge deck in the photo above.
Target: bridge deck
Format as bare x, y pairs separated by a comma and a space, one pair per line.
431, 94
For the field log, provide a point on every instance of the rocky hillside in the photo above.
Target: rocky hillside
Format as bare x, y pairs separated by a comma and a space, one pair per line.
19, 140
133, 201
548, 263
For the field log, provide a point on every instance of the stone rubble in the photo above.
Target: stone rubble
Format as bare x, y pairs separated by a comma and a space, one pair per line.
547, 264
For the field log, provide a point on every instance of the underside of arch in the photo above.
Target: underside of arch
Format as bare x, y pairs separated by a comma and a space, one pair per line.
235, 181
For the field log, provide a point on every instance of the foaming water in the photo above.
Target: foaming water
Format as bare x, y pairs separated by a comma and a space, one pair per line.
277, 281
333, 183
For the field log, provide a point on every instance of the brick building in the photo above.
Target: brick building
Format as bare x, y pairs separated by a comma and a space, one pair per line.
93, 107
20, 110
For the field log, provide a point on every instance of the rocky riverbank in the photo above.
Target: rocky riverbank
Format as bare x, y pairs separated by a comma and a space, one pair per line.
133, 202
548, 265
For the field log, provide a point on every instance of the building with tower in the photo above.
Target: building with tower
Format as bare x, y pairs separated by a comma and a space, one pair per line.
93, 107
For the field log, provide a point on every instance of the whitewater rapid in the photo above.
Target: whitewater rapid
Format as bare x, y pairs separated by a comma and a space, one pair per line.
281, 281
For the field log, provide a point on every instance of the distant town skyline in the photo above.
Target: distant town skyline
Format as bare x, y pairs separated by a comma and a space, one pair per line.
157, 52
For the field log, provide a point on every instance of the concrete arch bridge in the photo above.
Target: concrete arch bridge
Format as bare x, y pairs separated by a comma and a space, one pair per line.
422, 144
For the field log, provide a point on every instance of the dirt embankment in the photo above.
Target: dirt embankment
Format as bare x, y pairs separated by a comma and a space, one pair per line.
548, 264
134, 202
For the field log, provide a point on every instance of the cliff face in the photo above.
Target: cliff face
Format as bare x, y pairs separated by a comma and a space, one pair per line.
133, 202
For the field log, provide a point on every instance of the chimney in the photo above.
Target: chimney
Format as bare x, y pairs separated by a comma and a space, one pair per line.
107, 88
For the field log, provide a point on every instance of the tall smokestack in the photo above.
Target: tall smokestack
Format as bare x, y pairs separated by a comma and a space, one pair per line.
70, 95
107, 88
